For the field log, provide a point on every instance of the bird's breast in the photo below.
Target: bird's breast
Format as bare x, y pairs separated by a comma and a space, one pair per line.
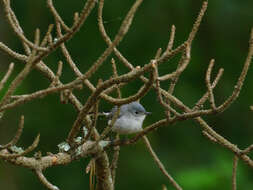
128, 125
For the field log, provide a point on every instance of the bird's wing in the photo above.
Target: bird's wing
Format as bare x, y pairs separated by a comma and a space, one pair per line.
114, 110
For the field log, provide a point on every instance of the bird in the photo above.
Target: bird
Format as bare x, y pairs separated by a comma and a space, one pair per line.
130, 118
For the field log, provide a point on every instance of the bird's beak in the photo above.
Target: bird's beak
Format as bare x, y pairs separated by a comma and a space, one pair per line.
147, 113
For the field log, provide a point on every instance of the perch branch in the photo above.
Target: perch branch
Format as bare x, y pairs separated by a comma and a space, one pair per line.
85, 110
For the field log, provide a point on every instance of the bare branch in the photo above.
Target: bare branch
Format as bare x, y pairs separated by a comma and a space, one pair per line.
116, 149
91, 144
239, 84
116, 115
86, 108
115, 159
57, 16
103, 172
89, 5
44, 180
27, 150
158, 53
41, 93
197, 22
12, 53
16, 22
247, 150
66, 53
6, 76
212, 139
159, 95
59, 69
205, 96
181, 66
121, 33
164, 187
17, 30
107, 38
92, 169
235, 163
46, 37
111, 124
21, 76
159, 163
172, 38
208, 84
17, 136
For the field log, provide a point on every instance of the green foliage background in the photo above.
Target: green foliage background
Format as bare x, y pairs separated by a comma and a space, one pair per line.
195, 162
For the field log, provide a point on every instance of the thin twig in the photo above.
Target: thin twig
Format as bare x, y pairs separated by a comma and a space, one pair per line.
115, 159
21, 76
27, 150
42, 93
119, 36
164, 187
12, 53
6, 76
59, 70
66, 53
16, 22
208, 84
19, 33
159, 163
202, 100
212, 139
172, 38
235, 163
159, 94
17, 135
116, 149
197, 22
247, 150
46, 37
158, 53
116, 114
111, 124
57, 16
181, 66
85, 110
44, 180
240, 81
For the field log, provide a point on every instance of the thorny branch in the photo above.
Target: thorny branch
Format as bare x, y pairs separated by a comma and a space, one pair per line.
92, 142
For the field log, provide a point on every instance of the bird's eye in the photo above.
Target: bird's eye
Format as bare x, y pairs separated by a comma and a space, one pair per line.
136, 112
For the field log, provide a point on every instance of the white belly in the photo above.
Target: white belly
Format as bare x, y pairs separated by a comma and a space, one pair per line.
126, 125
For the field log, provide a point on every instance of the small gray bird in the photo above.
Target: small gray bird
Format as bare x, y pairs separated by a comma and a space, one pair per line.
130, 118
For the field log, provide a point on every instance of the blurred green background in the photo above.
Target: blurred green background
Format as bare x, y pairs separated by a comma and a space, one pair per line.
190, 158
